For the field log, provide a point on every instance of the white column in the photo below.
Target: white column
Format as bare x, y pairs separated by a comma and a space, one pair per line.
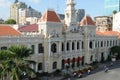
80, 45
93, 44
70, 46
36, 48
65, 46
75, 45
49, 48
59, 46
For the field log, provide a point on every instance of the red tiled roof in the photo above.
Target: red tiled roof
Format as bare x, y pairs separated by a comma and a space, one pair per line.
29, 28
50, 16
8, 30
87, 20
108, 33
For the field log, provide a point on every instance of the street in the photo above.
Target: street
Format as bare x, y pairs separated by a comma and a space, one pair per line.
112, 74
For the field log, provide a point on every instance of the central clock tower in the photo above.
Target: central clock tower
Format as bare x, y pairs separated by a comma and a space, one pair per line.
70, 14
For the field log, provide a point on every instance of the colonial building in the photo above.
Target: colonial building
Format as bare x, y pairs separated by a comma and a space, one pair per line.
59, 44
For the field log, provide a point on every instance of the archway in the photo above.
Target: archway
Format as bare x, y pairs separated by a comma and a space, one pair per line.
63, 64
54, 48
102, 57
73, 63
82, 63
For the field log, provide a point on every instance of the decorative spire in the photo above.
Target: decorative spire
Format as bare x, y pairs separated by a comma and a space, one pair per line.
71, 2
16, 1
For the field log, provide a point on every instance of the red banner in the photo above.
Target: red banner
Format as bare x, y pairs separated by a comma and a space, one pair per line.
80, 58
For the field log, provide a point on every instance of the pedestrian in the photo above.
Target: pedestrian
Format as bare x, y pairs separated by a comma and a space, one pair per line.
106, 69
79, 75
88, 71
111, 64
74, 74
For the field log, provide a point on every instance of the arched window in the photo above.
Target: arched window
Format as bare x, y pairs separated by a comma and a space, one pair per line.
33, 48
95, 44
101, 43
40, 48
110, 43
116, 42
54, 48
54, 65
4, 48
78, 45
107, 43
73, 62
63, 64
98, 43
39, 66
62, 48
73, 46
91, 58
90, 44
68, 46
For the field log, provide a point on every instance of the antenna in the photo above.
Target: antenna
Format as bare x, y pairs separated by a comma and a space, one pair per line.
57, 6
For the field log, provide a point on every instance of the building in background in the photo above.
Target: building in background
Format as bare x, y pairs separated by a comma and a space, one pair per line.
103, 23
14, 10
28, 14
116, 22
61, 16
110, 6
19, 11
80, 14
1, 21
32, 20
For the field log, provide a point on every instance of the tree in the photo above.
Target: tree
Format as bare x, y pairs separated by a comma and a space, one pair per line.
115, 50
10, 21
5, 59
15, 64
114, 12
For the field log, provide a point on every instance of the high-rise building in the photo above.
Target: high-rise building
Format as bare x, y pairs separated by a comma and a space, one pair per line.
110, 6
28, 13
19, 11
80, 14
116, 22
14, 10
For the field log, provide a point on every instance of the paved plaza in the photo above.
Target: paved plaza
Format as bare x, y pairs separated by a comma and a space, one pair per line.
98, 74
112, 74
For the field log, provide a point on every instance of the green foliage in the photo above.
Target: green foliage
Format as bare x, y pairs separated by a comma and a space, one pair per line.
114, 12
13, 61
21, 51
10, 21
115, 49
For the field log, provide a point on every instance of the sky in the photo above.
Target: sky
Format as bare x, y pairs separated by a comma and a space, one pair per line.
92, 7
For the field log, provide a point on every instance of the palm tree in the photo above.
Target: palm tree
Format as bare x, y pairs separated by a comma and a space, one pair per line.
5, 59
21, 64
16, 63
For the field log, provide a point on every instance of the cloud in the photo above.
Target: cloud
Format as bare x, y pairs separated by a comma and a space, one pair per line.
4, 3
35, 1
